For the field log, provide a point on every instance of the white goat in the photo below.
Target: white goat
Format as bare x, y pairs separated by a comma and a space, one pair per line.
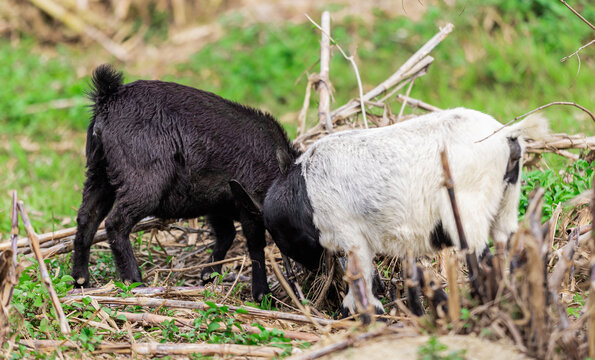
381, 190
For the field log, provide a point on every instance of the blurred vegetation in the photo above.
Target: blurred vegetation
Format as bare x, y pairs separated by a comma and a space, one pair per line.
503, 59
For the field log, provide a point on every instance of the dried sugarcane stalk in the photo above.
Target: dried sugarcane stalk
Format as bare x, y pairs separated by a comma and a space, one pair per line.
404, 72
398, 75
155, 319
324, 84
143, 291
183, 304
556, 142
591, 306
67, 243
45, 276
304, 309
454, 301
14, 234
67, 235
161, 349
193, 237
470, 257
415, 103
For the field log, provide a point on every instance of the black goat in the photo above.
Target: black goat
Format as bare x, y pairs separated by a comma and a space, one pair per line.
162, 149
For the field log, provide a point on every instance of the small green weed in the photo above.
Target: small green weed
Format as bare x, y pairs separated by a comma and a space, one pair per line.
433, 348
559, 187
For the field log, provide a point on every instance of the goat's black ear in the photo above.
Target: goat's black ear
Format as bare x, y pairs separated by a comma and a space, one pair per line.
245, 200
284, 160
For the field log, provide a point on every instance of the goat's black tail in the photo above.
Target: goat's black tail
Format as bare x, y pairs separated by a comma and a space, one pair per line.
105, 82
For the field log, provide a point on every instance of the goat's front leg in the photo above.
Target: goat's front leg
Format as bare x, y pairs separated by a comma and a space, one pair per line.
254, 231
361, 267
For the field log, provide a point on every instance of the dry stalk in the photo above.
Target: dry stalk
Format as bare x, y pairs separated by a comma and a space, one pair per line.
474, 274
406, 97
183, 304
415, 103
591, 304
162, 349
192, 237
351, 59
577, 51
303, 309
398, 75
45, 276
324, 84
66, 236
155, 319
454, 301
556, 142
578, 14
302, 117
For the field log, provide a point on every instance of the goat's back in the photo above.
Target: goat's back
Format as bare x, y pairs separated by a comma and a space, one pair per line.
188, 142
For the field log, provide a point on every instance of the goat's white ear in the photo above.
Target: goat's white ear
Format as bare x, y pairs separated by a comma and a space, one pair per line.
284, 160
244, 199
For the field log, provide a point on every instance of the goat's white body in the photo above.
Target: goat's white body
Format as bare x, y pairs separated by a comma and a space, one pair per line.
381, 190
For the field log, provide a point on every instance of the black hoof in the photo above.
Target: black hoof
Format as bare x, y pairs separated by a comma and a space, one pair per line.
81, 279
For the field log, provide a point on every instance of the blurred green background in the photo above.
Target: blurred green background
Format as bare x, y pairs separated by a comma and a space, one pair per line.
503, 58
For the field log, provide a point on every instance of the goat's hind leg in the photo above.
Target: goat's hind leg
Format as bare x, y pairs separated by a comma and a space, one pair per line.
127, 212
98, 198
225, 233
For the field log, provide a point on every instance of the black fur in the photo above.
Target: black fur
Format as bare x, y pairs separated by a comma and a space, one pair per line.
440, 238
513, 168
288, 217
168, 150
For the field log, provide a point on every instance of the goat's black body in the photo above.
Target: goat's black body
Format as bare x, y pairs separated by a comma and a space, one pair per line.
167, 150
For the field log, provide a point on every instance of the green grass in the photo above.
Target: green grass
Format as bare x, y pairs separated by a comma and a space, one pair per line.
42, 153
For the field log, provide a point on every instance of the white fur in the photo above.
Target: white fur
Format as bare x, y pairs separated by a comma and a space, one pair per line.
381, 190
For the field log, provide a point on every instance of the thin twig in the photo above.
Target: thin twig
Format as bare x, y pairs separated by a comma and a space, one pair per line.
302, 117
577, 14
406, 97
45, 276
576, 52
537, 109
236, 279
